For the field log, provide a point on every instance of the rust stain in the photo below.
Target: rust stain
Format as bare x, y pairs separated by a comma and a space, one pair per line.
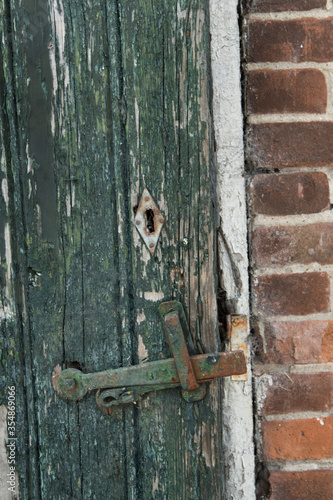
237, 334
55, 376
177, 277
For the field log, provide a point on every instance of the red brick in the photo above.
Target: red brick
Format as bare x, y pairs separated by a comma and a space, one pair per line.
287, 393
281, 145
285, 5
298, 343
286, 91
297, 40
278, 246
298, 439
287, 194
299, 294
302, 485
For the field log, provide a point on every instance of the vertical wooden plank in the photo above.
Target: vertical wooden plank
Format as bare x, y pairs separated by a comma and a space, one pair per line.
37, 255
17, 340
168, 128
70, 232
118, 143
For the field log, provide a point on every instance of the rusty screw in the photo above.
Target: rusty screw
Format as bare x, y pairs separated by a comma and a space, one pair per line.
151, 245
147, 198
137, 222
69, 384
161, 220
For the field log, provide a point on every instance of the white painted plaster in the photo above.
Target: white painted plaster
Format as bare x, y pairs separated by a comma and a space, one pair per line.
302, 465
301, 415
312, 368
261, 385
286, 16
261, 369
228, 123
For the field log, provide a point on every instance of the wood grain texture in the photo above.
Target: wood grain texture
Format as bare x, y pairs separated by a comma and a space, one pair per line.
99, 100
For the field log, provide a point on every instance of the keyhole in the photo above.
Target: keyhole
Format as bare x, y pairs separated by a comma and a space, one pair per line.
149, 217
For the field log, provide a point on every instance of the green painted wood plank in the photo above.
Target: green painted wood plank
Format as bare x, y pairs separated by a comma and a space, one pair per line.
168, 128
17, 328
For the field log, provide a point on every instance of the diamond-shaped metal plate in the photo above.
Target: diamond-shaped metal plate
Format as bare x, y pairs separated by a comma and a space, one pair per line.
149, 220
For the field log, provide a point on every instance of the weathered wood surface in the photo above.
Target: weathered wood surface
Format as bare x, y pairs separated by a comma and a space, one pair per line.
98, 100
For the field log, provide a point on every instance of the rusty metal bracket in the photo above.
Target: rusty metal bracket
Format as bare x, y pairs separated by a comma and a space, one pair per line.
237, 333
190, 372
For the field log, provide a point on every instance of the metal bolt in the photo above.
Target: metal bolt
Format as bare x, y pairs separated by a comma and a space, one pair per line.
161, 220
69, 384
151, 245
138, 222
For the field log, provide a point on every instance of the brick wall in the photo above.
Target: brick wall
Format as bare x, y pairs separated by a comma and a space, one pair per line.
289, 105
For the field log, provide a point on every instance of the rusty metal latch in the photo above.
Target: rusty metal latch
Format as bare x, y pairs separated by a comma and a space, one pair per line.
190, 372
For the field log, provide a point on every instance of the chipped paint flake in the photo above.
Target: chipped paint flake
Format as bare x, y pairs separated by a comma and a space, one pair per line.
155, 483
4, 189
54, 379
68, 204
8, 260
154, 296
137, 123
59, 33
141, 317
142, 351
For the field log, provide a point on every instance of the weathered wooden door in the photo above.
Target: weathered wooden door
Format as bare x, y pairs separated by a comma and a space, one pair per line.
100, 99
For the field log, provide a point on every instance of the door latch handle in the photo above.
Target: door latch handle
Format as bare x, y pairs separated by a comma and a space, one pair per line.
190, 372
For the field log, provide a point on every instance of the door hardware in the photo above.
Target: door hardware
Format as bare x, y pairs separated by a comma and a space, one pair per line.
185, 370
149, 220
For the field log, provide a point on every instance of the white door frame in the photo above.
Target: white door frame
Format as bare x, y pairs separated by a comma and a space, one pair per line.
228, 124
